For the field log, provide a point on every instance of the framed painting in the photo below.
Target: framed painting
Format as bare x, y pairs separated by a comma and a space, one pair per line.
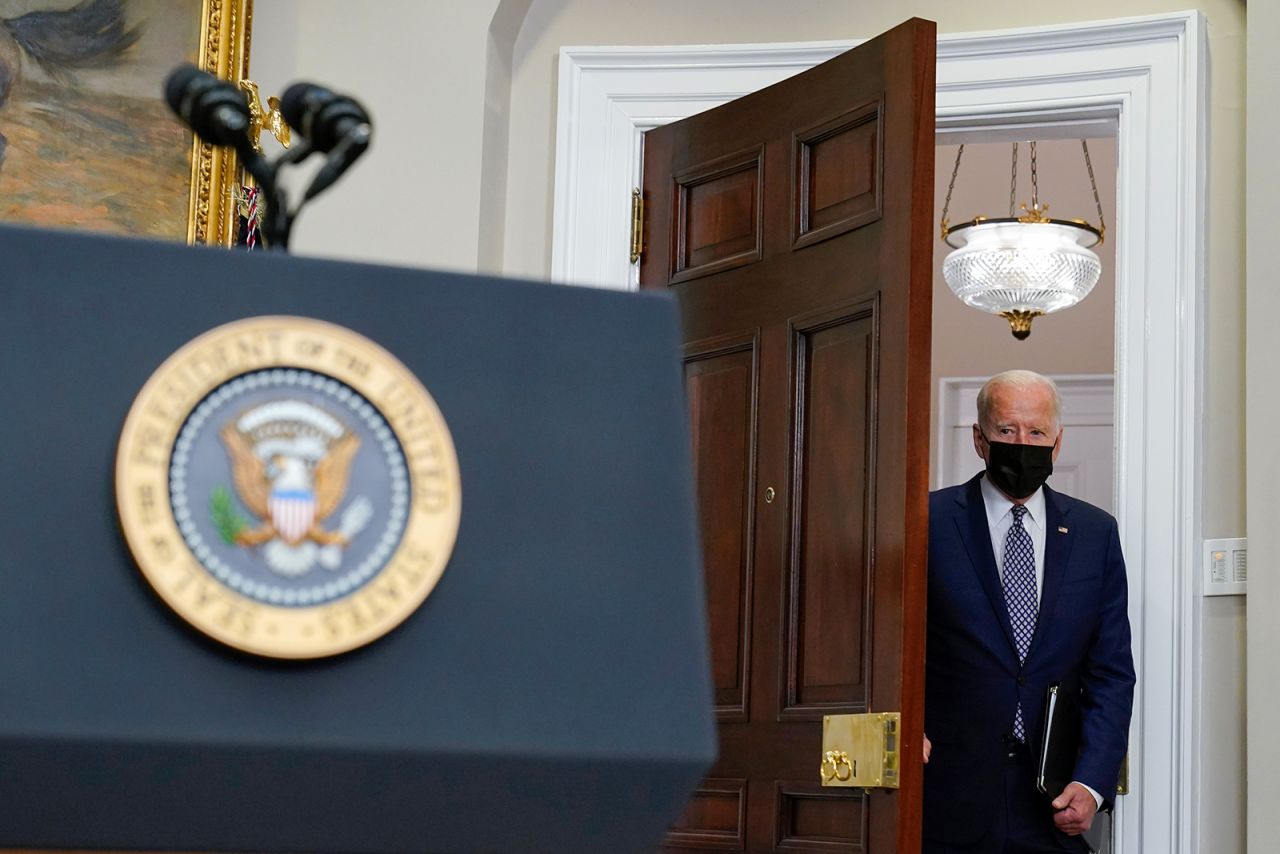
86, 139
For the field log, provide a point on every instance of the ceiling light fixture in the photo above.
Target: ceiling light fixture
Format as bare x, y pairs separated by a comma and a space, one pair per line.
1021, 267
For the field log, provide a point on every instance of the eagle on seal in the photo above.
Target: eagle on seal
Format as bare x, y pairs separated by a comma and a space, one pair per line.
289, 497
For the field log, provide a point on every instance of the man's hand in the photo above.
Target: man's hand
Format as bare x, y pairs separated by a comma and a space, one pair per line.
928, 748
1075, 809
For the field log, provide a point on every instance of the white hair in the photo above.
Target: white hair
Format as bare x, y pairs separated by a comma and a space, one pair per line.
1017, 379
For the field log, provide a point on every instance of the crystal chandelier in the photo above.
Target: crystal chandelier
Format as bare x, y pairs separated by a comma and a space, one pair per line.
1021, 267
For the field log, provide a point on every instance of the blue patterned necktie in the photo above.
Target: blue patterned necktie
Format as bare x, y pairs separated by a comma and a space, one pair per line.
1020, 594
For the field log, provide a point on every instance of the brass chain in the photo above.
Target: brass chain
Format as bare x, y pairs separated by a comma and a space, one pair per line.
1035, 187
1102, 223
947, 205
1013, 180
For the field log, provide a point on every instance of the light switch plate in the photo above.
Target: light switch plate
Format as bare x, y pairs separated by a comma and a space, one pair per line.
1225, 570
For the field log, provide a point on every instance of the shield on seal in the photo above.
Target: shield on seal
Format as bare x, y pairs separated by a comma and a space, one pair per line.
292, 512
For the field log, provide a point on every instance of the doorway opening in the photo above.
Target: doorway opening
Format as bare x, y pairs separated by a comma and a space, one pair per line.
1075, 347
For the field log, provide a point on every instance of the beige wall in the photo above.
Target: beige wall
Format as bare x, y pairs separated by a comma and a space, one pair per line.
464, 96
1263, 410
421, 69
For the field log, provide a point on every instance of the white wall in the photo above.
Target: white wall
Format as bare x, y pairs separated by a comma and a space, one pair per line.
1263, 365
421, 68
460, 176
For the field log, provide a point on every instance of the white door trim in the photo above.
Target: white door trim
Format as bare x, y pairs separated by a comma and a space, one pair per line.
1145, 77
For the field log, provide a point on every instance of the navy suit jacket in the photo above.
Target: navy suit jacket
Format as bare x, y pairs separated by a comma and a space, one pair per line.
973, 681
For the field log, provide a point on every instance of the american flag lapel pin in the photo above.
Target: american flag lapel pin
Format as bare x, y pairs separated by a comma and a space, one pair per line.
1061, 530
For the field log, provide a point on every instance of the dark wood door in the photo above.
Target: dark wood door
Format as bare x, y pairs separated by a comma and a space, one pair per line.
795, 226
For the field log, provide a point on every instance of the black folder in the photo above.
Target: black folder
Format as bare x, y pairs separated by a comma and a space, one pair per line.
1060, 743
1059, 748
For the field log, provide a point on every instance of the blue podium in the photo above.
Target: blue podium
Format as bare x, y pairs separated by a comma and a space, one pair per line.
551, 694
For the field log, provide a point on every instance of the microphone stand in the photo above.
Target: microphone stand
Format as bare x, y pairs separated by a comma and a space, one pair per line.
277, 223
223, 116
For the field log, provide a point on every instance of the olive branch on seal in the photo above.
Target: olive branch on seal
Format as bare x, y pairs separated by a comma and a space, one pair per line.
225, 518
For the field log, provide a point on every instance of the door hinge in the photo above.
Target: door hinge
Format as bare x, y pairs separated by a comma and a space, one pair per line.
860, 751
637, 225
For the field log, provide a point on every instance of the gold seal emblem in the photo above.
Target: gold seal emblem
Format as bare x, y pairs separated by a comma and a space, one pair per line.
288, 487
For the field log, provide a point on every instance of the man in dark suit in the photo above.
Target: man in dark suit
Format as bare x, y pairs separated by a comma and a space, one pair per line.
1026, 588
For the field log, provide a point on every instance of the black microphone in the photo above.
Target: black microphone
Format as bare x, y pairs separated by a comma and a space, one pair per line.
325, 118
219, 114
331, 124
214, 108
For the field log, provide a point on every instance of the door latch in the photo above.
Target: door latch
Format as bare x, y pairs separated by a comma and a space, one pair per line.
860, 751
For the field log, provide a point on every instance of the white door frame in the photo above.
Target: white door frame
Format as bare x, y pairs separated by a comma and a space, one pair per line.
1144, 77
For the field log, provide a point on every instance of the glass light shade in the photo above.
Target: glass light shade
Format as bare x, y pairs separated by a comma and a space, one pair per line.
1007, 266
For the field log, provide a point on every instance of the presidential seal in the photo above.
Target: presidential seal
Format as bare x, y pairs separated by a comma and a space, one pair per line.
288, 487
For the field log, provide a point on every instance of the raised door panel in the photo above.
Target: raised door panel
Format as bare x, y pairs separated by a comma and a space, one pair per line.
714, 819
717, 216
817, 819
721, 383
838, 178
828, 597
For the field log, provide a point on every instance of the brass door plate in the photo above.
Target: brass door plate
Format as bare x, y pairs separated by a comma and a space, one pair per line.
860, 751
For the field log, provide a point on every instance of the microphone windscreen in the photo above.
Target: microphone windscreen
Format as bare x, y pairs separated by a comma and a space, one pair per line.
298, 100
214, 108
177, 85
323, 117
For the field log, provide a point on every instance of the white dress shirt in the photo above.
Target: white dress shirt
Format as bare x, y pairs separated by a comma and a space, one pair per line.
999, 521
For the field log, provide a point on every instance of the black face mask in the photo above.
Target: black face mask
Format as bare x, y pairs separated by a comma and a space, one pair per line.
1018, 470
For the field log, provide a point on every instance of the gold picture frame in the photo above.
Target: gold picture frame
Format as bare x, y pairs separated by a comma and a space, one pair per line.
87, 141
226, 29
